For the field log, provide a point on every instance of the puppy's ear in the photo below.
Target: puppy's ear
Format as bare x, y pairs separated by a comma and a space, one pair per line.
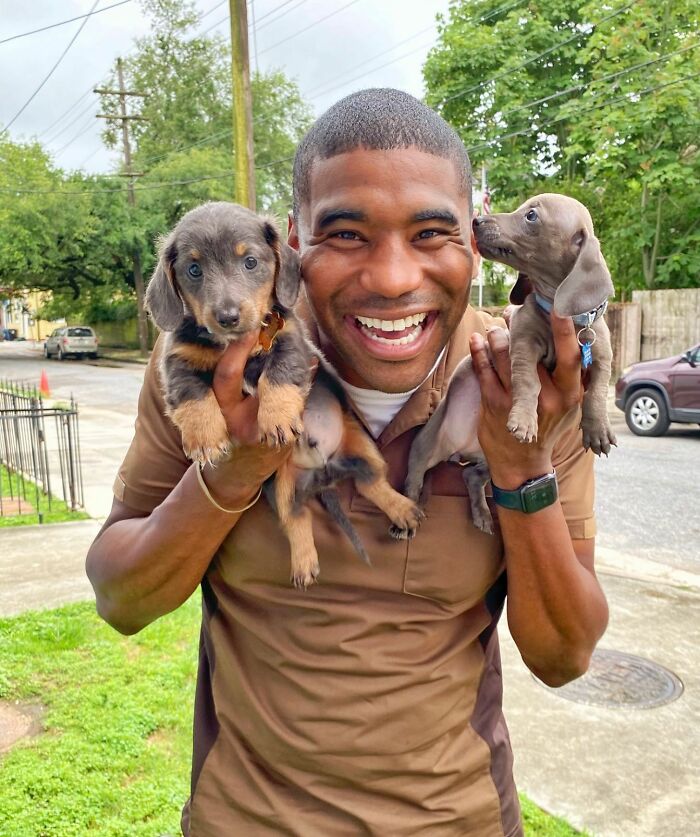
520, 290
589, 282
162, 298
287, 271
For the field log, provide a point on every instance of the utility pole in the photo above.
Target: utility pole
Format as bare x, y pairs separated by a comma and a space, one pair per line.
242, 105
128, 173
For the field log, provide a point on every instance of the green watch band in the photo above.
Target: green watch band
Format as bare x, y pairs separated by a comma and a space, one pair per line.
531, 496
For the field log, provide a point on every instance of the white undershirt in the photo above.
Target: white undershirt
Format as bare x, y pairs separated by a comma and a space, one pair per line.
379, 408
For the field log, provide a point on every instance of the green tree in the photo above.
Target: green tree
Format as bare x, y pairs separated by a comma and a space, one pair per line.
592, 101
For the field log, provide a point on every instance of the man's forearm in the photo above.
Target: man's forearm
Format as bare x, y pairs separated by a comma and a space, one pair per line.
556, 607
144, 567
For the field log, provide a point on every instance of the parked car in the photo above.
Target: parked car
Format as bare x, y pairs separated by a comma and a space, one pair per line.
654, 393
71, 340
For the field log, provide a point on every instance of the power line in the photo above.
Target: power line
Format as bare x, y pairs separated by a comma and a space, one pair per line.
152, 186
537, 57
145, 188
310, 26
63, 22
623, 97
90, 105
609, 77
84, 128
213, 9
51, 71
65, 112
279, 17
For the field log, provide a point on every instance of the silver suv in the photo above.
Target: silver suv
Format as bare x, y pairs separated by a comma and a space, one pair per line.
71, 340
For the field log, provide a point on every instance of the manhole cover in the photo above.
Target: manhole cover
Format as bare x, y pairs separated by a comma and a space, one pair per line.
622, 680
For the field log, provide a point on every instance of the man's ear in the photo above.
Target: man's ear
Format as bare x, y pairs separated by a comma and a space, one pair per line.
292, 233
287, 270
163, 300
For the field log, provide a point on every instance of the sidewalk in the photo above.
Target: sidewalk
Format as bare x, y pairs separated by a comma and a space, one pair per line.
616, 772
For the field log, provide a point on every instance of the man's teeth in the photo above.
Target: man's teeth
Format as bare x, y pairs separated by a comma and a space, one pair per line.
413, 321
392, 325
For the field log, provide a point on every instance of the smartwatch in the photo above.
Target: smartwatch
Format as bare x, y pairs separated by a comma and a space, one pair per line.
531, 496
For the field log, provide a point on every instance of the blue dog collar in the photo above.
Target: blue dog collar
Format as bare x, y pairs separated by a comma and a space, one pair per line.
584, 320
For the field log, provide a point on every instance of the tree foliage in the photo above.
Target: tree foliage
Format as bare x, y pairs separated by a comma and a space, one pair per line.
600, 101
75, 235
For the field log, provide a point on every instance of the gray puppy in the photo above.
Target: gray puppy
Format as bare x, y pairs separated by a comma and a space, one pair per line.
550, 241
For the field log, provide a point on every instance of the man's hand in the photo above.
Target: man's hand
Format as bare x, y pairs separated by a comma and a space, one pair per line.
511, 462
235, 480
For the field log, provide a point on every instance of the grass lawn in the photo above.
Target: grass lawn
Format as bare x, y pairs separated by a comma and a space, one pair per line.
59, 512
114, 758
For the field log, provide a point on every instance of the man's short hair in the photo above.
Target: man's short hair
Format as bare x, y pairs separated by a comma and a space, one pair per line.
379, 119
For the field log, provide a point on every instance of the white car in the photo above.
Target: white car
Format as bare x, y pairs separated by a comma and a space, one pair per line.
71, 340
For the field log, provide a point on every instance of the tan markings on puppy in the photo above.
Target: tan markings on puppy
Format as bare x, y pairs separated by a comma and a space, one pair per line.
196, 255
297, 527
240, 248
204, 434
195, 307
403, 513
280, 412
197, 356
261, 300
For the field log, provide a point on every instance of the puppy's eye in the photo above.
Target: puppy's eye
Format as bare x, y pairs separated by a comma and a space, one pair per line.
195, 271
532, 215
250, 262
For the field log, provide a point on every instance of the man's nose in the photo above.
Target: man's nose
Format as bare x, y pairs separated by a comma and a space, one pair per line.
394, 269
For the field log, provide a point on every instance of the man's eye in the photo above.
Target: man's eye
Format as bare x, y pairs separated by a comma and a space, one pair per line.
532, 215
195, 271
346, 235
429, 233
250, 262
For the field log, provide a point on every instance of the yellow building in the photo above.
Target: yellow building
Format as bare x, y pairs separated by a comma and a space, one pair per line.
18, 312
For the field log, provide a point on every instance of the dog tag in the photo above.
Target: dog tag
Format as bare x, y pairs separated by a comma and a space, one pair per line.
586, 355
271, 326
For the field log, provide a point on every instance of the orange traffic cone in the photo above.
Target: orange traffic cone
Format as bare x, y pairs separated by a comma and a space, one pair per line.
44, 385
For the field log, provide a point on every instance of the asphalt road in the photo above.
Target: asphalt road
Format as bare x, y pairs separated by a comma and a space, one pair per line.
647, 489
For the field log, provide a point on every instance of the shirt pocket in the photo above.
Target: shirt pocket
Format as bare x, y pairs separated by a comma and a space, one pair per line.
451, 561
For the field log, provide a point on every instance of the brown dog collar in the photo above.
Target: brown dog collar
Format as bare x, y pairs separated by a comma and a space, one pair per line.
270, 328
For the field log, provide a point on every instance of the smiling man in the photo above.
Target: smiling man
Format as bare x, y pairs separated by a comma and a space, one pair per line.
371, 704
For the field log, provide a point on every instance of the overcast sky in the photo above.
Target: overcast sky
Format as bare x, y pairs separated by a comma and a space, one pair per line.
345, 52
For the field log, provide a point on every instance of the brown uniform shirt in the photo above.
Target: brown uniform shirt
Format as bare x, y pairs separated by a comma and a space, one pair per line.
371, 704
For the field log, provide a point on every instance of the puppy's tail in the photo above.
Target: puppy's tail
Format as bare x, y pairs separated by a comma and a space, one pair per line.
329, 500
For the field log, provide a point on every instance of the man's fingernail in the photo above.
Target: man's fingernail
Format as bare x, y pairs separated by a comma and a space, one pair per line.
498, 337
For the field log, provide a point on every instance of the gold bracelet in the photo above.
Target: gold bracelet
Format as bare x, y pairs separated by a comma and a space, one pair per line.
205, 489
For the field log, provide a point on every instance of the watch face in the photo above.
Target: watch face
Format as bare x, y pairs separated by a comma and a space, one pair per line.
541, 493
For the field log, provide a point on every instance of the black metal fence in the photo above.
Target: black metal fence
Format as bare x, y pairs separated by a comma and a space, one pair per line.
39, 453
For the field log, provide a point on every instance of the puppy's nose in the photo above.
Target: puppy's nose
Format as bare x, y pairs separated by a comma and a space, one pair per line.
228, 318
479, 220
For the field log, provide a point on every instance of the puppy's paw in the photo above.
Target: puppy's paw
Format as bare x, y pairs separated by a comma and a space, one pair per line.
203, 428
280, 414
523, 424
406, 517
305, 570
276, 433
483, 521
598, 436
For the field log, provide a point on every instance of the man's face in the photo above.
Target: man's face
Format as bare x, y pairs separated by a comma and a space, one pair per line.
387, 256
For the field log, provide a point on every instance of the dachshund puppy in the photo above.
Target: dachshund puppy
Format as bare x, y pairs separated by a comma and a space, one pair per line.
333, 447
550, 240
223, 272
